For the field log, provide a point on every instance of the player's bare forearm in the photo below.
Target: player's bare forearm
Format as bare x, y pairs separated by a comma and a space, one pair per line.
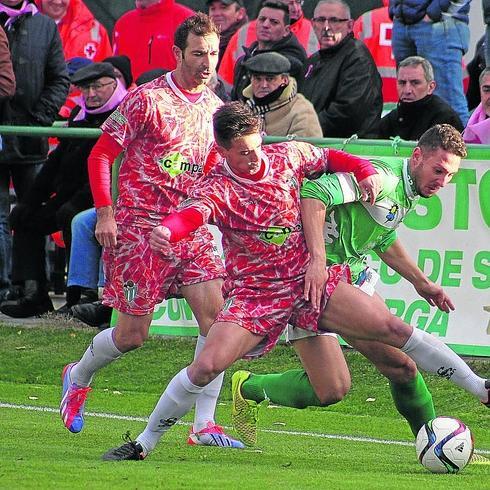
106, 228
313, 218
399, 260
313, 214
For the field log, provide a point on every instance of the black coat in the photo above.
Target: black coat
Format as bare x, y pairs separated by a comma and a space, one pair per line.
42, 85
344, 86
288, 46
63, 179
411, 119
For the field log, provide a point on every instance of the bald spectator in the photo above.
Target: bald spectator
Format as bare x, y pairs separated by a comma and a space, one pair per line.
273, 94
146, 34
418, 108
229, 16
342, 81
478, 128
81, 34
273, 34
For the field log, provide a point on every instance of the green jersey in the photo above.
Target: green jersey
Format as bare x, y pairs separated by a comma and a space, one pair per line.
353, 229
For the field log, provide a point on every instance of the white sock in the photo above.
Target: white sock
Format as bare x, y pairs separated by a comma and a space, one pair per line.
177, 399
101, 352
433, 356
207, 400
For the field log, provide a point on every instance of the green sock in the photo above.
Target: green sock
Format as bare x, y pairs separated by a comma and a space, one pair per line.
414, 402
290, 389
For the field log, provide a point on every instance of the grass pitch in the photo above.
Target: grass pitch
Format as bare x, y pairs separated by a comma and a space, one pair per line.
361, 442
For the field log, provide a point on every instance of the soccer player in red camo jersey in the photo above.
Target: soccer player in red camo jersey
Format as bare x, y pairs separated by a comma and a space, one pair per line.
164, 129
252, 194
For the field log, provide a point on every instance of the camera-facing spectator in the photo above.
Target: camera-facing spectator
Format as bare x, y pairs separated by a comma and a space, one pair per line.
342, 81
229, 16
273, 34
418, 108
273, 94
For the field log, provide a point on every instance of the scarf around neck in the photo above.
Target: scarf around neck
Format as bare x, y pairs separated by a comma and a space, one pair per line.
14, 14
112, 103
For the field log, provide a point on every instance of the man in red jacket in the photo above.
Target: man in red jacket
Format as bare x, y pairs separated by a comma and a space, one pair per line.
81, 34
146, 34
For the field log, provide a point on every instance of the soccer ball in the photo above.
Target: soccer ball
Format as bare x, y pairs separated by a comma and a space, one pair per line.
444, 445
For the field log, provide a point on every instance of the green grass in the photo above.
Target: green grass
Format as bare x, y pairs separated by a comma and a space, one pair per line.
38, 452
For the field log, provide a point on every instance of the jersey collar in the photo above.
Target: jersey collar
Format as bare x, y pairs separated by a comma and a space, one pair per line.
176, 90
408, 181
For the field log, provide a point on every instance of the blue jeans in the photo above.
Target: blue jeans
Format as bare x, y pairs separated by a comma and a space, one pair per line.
86, 268
443, 44
22, 178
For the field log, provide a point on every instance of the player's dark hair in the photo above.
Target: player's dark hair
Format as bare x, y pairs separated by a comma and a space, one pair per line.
445, 137
274, 4
234, 120
199, 24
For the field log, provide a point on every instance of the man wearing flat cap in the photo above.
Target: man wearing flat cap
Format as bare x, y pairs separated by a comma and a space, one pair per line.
60, 191
273, 94
229, 16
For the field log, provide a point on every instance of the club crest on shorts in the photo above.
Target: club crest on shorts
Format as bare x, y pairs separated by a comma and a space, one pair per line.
130, 290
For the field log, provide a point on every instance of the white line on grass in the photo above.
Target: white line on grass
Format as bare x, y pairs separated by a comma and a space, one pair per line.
372, 440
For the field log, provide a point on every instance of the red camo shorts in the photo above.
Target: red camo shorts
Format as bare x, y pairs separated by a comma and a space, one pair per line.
137, 278
266, 309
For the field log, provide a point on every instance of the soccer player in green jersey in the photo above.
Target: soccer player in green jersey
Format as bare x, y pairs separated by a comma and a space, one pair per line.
346, 233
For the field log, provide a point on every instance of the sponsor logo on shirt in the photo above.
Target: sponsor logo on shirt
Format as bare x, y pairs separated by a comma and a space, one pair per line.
277, 235
175, 164
392, 213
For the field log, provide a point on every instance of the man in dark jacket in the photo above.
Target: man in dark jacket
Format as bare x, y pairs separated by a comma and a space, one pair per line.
342, 81
42, 86
273, 34
60, 191
418, 109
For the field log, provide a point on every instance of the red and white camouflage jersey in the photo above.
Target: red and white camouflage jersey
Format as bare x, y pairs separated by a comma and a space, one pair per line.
166, 138
260, 221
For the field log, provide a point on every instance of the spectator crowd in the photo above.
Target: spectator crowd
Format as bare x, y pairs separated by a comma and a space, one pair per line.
328, 76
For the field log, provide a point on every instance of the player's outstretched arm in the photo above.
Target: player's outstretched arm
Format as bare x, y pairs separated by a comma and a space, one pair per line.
398, 259
313, 218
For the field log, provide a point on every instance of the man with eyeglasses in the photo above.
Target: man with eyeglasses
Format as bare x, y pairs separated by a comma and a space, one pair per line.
300, 26
60, 191
341, 80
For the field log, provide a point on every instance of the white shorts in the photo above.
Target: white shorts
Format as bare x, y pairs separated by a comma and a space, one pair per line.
366, 282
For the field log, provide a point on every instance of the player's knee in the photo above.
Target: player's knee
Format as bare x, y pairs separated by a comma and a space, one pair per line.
393, 329
333, 393
404, 372
204, 370
126, 341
